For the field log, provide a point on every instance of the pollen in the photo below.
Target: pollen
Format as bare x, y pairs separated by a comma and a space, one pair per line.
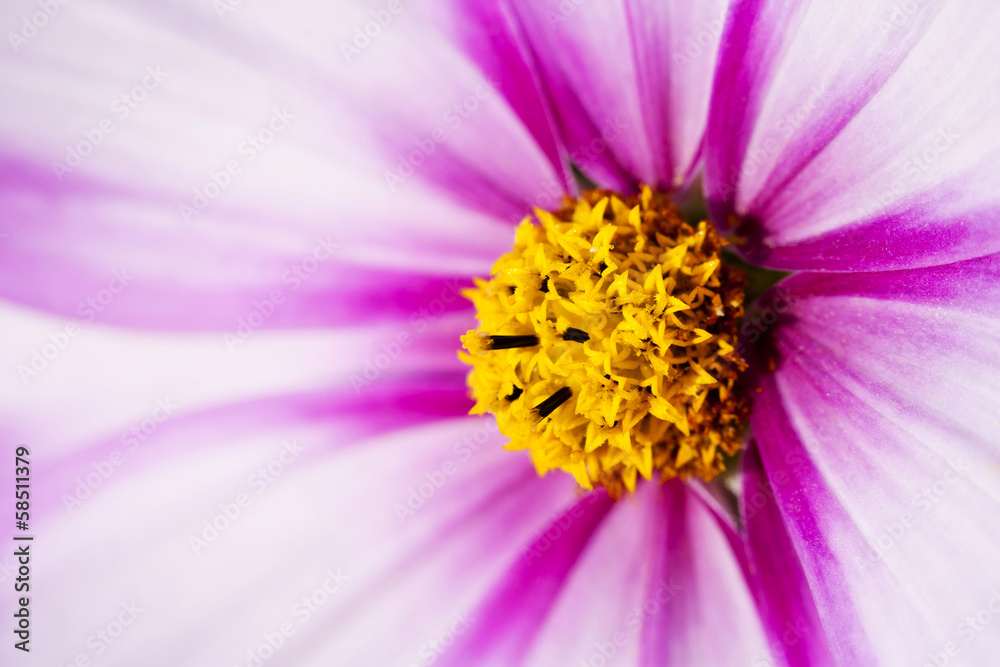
607, 345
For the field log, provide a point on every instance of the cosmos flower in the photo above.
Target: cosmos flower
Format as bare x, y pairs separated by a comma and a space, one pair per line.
237, 241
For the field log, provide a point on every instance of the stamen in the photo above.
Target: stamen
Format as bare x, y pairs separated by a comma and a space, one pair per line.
654, 391
511, 342
576, 335
548, 406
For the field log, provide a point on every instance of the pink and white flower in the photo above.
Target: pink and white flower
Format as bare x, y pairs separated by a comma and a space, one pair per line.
232, 242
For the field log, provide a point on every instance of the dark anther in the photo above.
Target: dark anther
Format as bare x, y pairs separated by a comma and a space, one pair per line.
508, 342
607, 377
546, 407
545, 285
511, 288
516, 394
603, 267
576, 335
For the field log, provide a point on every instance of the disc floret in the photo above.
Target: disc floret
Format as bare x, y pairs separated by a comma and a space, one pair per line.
607, 345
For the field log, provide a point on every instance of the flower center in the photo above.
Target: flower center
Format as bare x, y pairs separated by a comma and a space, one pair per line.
607, 343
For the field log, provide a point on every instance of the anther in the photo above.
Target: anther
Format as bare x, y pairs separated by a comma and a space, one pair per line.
576, 335
516, 394
546, 407
510, 342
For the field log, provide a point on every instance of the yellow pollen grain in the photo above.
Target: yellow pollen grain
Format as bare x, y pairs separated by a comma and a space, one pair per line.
630, 310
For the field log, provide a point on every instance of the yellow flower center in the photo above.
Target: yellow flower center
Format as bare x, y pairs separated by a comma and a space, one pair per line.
607, 343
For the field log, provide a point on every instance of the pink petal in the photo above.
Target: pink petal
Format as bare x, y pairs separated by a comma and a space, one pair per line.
491, 36
464, 127
861, 137
328, 513
796, 634
81, 255
652, 580
699, 556
175, 192
104, 382
513, 617
629, 83
881, 422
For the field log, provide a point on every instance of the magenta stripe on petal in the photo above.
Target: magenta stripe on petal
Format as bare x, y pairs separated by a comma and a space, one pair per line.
970, 285
515, 611
489, 33
807, 504
859, 139
899, 240
794, 629
349, 417
698, 590
66, 238
877, 432
87, 250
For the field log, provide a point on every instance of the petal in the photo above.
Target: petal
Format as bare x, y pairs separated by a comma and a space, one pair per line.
305, 552
491, 37
652, 580
161, 142
630, 83
863, 136
465, 127
79, 475
700, 558
83, 256
513, 616
795, 630
109, 386
878, 434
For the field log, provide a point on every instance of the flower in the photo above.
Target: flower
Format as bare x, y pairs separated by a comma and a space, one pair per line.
234, 241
